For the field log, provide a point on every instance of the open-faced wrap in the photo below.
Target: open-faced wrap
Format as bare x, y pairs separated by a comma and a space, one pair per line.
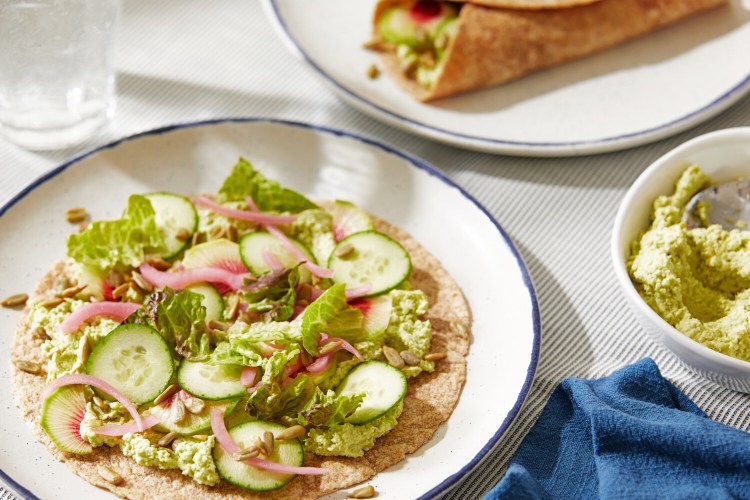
466, 46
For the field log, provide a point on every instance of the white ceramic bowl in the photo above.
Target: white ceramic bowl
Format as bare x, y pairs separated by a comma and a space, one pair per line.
723, 155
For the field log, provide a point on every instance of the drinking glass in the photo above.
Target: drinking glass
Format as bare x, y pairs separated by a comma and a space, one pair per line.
56, 70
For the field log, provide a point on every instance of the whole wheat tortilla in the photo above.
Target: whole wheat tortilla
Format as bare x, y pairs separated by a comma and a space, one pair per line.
495, 45
430, 399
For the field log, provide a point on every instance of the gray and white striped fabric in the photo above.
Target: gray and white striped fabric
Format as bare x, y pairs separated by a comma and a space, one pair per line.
188, 61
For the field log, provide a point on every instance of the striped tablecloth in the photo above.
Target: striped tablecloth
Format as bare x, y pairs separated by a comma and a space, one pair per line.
188, 61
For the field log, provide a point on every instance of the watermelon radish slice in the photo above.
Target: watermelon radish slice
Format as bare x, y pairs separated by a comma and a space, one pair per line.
221, 253
96, 283
348, 218
376, 314
62, 414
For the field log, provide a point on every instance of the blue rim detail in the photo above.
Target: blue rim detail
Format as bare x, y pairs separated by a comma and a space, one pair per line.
416, 162
678, 125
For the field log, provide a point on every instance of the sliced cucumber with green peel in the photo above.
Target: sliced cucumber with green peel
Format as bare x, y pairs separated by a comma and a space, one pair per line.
174, 213
192, 423
62, 414
287, 452
370, 258
253, 246
212, 300
384, 387
135, 359
211, 382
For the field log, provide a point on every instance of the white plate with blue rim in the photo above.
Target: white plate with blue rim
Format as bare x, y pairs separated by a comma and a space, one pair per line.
633, 94
324, 164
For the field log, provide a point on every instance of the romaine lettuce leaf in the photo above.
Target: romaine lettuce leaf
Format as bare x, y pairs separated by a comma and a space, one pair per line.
273, 295
267, 195
330, 314
182, 318
327, 409
119, 243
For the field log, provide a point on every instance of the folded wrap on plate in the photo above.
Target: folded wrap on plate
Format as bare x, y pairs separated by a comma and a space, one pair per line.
436, 49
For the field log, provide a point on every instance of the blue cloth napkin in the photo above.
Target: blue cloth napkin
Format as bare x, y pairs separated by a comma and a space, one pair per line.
629, 435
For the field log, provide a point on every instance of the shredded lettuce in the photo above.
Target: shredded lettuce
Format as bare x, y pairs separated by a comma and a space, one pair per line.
119, 243
182, 319
267, 195
330, 313
327, 409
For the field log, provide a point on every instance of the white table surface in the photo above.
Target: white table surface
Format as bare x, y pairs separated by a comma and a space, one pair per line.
184, 61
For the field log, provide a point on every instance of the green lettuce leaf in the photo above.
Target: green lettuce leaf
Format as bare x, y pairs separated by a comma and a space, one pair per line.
331, 314
182, 318
242, 344
327, 409
273, 399
119, 243
273, 295
267, 195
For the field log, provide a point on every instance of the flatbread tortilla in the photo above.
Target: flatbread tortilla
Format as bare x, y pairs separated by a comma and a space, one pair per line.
494, 45
430, 399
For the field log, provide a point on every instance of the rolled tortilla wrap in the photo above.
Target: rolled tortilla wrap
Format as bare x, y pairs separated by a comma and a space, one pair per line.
491, 46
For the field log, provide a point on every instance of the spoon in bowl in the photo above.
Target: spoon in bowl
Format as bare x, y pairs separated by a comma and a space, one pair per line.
726, 204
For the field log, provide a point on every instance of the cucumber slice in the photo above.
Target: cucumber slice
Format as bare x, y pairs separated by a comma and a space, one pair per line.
62, 414
192, 423
212, 301
135, 359
370, 257
211, 382
252, 246
173, 213
396, 27
287, 452
384, 387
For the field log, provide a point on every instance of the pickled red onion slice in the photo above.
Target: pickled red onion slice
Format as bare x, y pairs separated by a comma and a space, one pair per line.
80, 379
249, 215
226, 442
115, 310
313, 268
247, 377
182, 279
122, 429
360, 291
320, 364
344, 345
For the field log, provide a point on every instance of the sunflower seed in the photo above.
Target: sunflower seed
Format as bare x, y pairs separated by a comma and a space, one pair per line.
393, 357
232, 234
436, 356
103, 405
108, 474
141, 282
268, 442
365, 492
28, 366
120, 290
178, 411
72, 291
378, 45
200, 437
158, 262
246, 453
53, 302
292, 432
166, 439
345, 250
410, 358
16, 300
197, 236
217, 233
75, 215
194, 405
166, 394
218, 325
182, 234
329, 347
114, 279
234, 305
83, 226
85, 349
372, 71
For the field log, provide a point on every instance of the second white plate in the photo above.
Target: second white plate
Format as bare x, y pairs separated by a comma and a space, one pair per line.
630, 95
